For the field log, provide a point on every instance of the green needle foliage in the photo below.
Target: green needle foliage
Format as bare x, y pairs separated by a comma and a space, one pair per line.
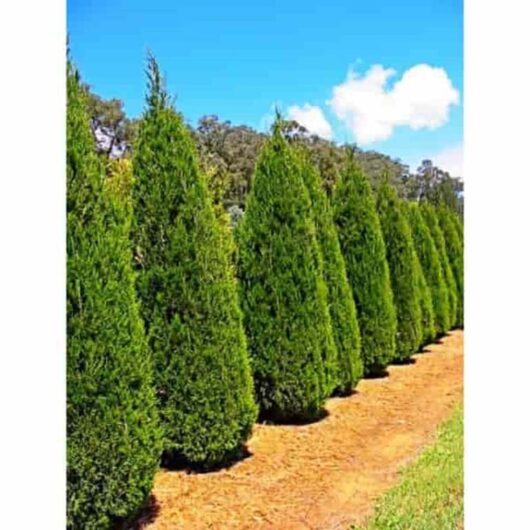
431, 266
363, 248
427, 310
283, 293
431, 219
404, 276
454, 254
114, 442
188, 292
342, 307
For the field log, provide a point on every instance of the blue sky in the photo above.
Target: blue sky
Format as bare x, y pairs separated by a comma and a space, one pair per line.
237, 59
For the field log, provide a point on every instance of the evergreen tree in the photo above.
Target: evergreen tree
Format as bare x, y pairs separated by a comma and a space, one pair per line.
431, 266
283, 294
188, 292
429, 214
426, 305
404, 275
363, 248
342, 307
114, 442
455, 256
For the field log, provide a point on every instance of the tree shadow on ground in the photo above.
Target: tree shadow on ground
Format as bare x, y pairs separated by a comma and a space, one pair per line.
272, 419
403, 362
344, 393
176, 462
146, 515
380, 374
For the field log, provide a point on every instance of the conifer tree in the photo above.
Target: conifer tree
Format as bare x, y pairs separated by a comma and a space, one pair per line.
340, 299
283, 293
114, 442
363, 249
188, 292
429, 214
431, 266
454, 254
426, 305
404, 275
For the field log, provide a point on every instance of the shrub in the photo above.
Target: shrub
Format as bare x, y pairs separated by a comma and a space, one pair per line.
404, 276
431, 219
431, 266
363, 249
342, 307
283, 294
114, 441
455, 256
188, 292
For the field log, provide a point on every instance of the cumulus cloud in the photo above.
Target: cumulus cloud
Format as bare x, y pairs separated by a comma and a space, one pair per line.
420, 99
312, 118
451, 160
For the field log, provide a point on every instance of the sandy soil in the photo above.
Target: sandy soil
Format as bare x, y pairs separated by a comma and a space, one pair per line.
325, 475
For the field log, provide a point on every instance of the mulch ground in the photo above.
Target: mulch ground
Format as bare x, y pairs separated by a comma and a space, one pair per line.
325, 475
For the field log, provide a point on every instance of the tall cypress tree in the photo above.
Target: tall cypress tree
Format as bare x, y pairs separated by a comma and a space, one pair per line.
431, 266
454, 254
283, 293
363, 248
404, 275
188, 292
342, 307
429, 214
113, 444
426, 305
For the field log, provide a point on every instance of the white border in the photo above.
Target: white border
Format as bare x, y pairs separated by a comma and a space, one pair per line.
32, 262
497, 348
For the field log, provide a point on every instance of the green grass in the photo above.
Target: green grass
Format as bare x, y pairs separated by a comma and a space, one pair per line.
430, 493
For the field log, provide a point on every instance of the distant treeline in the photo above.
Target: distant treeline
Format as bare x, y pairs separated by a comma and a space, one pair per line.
228, 155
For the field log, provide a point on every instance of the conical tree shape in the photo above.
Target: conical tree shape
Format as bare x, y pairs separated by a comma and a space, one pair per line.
458, 224
427, 310
114, 442
188, 292
455, 256
363, 249
283, 293
429, 215
340, 299
404, 276
431, 266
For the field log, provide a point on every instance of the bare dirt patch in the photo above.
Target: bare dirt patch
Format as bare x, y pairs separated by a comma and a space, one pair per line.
326, 475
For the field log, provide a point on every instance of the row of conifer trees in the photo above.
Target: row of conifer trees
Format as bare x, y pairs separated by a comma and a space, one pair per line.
169, 355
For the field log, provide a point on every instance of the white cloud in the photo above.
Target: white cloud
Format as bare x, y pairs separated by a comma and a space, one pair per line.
312, 118
420, 99
451, 160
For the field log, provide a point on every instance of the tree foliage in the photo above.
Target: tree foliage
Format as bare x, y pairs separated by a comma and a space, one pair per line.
363, 248
188, 292
404, 275
454, 247
429, 214
114, 133
431, 266
283, 293
342, 307
426, 305
113, 438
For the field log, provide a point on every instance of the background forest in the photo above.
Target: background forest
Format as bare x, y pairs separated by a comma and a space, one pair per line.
228, 155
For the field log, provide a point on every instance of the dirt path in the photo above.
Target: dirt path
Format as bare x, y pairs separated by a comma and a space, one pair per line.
325, 475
